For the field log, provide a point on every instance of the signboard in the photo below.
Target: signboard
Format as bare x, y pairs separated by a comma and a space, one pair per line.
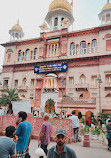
21, 106
61, 67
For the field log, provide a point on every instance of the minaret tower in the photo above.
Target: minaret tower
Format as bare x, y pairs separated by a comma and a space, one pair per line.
105, 14
59, 15
16, 32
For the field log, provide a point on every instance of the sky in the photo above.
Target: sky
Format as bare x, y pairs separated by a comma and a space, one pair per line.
31, 14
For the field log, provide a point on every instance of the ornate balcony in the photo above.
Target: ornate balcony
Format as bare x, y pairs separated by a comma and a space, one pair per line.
81, 87
23, 88
49, 90
107, 85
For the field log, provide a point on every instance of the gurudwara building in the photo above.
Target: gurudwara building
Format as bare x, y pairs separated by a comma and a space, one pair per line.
71, 68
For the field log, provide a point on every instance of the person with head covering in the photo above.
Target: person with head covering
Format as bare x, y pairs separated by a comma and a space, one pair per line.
7, 145
60, 149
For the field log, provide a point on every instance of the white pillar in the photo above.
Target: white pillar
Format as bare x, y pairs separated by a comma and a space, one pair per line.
54, 49
47, 84
51, 83
59, 23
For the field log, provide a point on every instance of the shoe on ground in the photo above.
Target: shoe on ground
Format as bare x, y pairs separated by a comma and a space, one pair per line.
110, 149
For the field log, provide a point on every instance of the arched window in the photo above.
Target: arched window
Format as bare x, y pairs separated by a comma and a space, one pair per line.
19, 55
24, 82
108, 95
94, 46
108, 17
62, 20
52, 49
9, 57
83, 47
82, 79
35, 53
72, 48
56, 21
27, 54
108, 79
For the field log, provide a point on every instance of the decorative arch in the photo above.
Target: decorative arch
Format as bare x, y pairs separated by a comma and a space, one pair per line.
27, 54
56, 21
89, 114
9, 54
19, 55
94, 46
35, 53
83, 47
72, 48
24, 82
49, 106
82, 79
108, 95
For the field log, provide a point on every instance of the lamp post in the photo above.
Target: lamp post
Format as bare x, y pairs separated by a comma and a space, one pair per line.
63, 83
99, 81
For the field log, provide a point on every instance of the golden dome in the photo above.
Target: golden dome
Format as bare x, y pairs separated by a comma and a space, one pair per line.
107, 6
60, 4
17, 27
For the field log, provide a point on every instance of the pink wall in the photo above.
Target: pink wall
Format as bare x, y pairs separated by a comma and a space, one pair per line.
36, 126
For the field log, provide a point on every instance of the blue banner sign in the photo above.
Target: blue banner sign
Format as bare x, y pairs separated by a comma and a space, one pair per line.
61, 67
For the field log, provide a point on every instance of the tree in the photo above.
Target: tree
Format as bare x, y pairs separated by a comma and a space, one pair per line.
50, 102
11, 95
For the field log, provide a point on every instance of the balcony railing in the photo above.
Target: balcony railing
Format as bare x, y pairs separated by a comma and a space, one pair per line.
71, 100
84, 86
108, 85
49, 90
22, 88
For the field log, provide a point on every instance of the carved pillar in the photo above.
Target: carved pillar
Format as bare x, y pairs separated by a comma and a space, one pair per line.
57, 49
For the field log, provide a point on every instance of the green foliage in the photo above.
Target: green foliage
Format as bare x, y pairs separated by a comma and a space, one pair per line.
94, 121
97, 131
10, 95
82, 120
104, 117
85, 130
50, 102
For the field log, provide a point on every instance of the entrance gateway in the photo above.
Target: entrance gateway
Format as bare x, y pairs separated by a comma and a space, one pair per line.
50, 81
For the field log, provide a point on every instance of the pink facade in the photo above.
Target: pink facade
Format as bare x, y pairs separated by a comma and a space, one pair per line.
36, 126
87, 54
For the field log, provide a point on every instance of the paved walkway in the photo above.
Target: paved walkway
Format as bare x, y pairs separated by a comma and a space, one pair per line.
96, 150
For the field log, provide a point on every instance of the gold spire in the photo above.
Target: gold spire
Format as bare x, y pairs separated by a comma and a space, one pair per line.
107, 6
17, 27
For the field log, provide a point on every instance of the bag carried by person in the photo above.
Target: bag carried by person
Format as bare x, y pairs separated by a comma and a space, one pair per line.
39, 152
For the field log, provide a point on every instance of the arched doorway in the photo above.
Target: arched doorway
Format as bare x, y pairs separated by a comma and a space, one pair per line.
89, 114
49, 106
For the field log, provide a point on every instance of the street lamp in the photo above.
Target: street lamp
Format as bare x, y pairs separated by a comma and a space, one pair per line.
63, 83
99, 81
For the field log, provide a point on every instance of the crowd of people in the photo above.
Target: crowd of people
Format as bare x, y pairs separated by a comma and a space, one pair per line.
16, 142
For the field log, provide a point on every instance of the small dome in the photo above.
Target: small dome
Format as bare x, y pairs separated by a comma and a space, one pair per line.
107, 6
17, 27
60, 4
